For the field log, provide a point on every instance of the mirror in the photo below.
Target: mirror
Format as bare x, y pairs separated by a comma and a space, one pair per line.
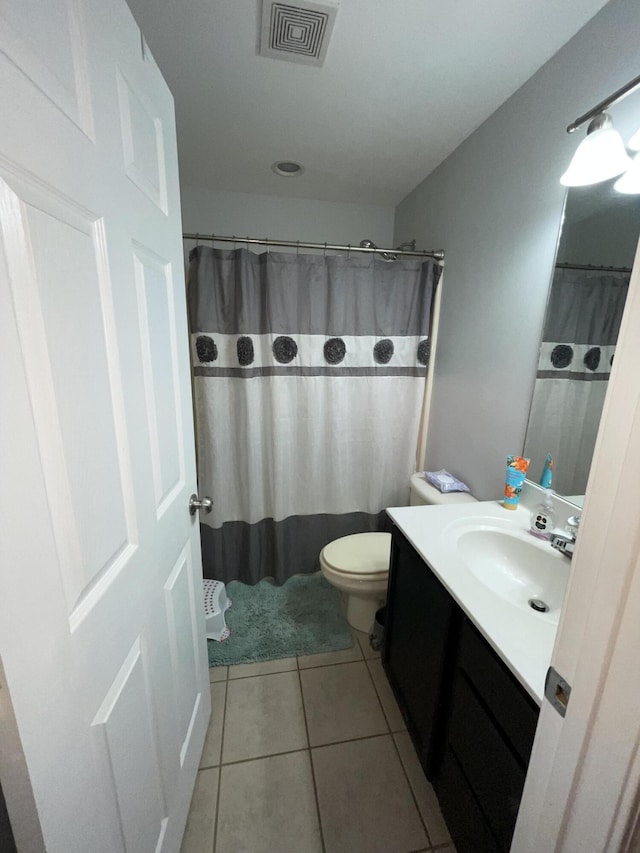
596, 248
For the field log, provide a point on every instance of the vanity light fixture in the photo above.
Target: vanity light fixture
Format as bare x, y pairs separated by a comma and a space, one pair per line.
629, 183
634, 142
601, 155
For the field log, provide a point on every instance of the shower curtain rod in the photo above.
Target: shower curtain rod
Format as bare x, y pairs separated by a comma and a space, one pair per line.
592, 267
437, 254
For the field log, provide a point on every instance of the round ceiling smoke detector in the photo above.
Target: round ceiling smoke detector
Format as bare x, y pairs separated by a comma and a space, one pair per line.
287, 168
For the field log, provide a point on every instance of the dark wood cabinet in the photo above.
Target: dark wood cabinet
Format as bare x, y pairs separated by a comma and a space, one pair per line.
490, 730
471, 722
420, 636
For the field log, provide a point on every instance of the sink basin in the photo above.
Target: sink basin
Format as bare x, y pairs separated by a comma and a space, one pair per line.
513, 564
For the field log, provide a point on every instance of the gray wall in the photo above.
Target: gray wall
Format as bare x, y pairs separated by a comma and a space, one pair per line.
253, 215
495, 206
608, 238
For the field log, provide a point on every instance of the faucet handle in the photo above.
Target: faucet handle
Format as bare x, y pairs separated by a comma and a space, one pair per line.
573, 522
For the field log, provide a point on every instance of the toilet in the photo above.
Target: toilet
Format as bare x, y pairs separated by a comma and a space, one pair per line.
358, 565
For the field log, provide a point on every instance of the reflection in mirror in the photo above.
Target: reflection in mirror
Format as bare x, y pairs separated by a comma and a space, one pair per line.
586, 300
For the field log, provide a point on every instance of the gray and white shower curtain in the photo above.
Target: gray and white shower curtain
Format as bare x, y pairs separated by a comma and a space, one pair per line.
579, 339
309, 375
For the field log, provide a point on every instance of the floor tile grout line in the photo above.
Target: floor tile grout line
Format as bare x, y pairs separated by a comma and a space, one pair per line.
302, 749
215, 822
377, 692
262, 757
309, 749
351, 740
313, 773
293, 669
282, 671
411, 791
331, 663
260, 674
380, 705
442, 848
224, 721
219, 680
356, 644
364, 651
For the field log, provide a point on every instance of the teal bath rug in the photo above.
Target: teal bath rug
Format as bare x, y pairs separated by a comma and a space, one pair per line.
301, 617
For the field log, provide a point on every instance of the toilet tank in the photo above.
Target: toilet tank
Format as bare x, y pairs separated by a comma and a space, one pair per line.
423, 493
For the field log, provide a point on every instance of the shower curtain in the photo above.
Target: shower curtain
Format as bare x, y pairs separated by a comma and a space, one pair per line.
581, 329
309, 375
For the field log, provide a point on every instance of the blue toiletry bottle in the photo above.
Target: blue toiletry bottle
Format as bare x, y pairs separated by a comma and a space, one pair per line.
547, 472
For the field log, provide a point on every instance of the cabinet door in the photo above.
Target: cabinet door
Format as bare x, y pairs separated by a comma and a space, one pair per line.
513, 710
418, 645
490, 767
490, 732
466, 822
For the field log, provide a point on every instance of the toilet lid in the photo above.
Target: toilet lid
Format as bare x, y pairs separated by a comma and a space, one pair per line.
360, 553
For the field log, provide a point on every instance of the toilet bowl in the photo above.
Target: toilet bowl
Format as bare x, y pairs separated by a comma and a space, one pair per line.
358, 565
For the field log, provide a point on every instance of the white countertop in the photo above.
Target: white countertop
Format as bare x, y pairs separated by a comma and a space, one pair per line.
523, 640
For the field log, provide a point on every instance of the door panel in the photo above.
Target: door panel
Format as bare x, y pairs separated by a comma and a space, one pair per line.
59, 302
101, 613
142, 143
125, 725
51, 50
154, 289
181, 612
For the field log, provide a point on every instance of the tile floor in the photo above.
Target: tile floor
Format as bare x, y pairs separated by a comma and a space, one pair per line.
311, 755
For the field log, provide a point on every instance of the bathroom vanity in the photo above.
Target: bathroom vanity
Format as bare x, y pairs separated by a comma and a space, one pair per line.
467, 657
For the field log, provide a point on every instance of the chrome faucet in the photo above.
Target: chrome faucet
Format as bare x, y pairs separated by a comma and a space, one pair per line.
566, 543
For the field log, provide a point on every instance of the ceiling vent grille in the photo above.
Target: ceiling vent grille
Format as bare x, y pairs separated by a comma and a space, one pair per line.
297, 33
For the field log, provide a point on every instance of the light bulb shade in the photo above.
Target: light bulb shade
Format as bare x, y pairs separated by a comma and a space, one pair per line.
634, 142
629, 183
600, 156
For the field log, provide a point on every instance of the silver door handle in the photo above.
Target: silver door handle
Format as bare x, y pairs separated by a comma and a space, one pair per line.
206, 504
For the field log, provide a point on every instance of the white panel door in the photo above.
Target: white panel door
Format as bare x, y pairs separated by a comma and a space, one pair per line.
101, 612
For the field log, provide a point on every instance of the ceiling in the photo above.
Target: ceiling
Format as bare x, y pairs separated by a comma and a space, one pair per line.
402, 85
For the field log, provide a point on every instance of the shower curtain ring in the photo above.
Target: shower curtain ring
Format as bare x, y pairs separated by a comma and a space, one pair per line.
297, 248
197, 238
348, 251
324, 254
234, 241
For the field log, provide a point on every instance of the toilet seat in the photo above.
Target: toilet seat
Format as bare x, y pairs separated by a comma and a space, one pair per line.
358, 566
365, 555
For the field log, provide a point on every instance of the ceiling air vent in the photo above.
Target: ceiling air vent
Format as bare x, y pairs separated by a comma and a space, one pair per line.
297, 33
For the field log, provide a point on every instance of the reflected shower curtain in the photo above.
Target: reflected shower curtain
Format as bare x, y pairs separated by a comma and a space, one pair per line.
309, 375
581, 329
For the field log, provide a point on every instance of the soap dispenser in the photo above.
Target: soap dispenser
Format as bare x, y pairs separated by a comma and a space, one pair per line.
542, 517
